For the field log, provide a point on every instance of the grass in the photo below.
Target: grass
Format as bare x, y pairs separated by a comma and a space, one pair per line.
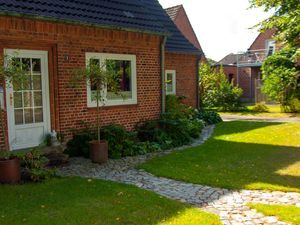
81, 201
290, 214
239, 155
274, 111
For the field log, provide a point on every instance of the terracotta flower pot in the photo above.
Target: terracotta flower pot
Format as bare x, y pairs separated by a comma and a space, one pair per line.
10, 171
99, 151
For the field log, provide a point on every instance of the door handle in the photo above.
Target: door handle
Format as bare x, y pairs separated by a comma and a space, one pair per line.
11, 99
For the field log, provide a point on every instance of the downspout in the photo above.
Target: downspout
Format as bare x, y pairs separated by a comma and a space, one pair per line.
162, 73
197, 81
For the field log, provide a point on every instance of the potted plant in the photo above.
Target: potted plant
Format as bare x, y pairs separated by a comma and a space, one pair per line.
12, 72
99, 77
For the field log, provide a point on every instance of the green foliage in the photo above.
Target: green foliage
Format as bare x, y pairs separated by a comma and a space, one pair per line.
79, 144
35, 166
12, 72
285, 21
279, 75
216, 91
121, 142
260, 107
175, 128
209, 117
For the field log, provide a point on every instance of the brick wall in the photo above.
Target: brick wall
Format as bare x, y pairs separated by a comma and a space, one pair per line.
68, 107
185, 66
260, 41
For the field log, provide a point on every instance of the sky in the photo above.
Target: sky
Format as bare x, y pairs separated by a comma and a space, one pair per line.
222, 26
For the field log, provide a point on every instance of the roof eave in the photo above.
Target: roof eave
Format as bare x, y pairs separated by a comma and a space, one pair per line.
74, 22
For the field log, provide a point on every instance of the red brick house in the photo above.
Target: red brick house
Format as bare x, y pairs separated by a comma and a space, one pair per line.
181, 20
244, 68
54, 38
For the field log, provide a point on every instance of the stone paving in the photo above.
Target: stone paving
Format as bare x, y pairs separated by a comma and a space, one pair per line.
228, 117
229, 205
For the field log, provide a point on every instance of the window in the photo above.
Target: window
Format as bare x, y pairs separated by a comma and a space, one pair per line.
270, 46
170, 82
124, 69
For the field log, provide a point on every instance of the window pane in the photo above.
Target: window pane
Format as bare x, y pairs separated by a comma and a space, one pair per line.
26, 64
38, 113
27, 99
27, 83
38, 98
169, 82
36, 65
121, 80
18, 103
28, 115
37, 83
18, 116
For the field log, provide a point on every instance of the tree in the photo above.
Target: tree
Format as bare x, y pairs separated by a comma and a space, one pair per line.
280, 77
216, 91
12, 72
285, 20
100, 77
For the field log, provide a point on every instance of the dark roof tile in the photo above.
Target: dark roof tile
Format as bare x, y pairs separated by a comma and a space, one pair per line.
118, 14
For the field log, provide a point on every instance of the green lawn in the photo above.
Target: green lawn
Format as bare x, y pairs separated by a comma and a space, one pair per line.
239, 155
88, 202
290, 214
274, 111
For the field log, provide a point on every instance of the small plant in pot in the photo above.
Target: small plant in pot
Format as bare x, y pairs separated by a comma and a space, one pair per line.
12, 72
99, 78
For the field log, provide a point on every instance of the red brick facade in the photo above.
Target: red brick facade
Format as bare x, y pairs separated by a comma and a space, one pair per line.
68, 107
186, 84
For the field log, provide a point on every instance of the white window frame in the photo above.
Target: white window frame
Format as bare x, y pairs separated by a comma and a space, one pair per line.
270, 43
115, 102
173, 72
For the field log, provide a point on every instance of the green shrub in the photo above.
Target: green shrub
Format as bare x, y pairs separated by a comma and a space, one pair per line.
216, 91
34, 164
78, 146
121, 143
209, 117
175, 128
260, 107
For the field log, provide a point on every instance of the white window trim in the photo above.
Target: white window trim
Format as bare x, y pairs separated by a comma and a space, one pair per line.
173, 72
115, 102
268, 45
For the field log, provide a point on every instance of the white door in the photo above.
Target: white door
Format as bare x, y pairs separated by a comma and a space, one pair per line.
28, 108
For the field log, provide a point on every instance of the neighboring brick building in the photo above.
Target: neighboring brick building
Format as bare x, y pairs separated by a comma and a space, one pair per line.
244, 68
55, 38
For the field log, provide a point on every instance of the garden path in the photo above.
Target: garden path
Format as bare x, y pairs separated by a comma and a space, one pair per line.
230, 205
229, 117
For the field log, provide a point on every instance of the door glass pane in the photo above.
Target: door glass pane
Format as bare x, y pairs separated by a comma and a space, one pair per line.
28, 115
26, 64
18, 116
36, 65
38, 113
18, 103
27, 83
37, 83
38, 100
27, 99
